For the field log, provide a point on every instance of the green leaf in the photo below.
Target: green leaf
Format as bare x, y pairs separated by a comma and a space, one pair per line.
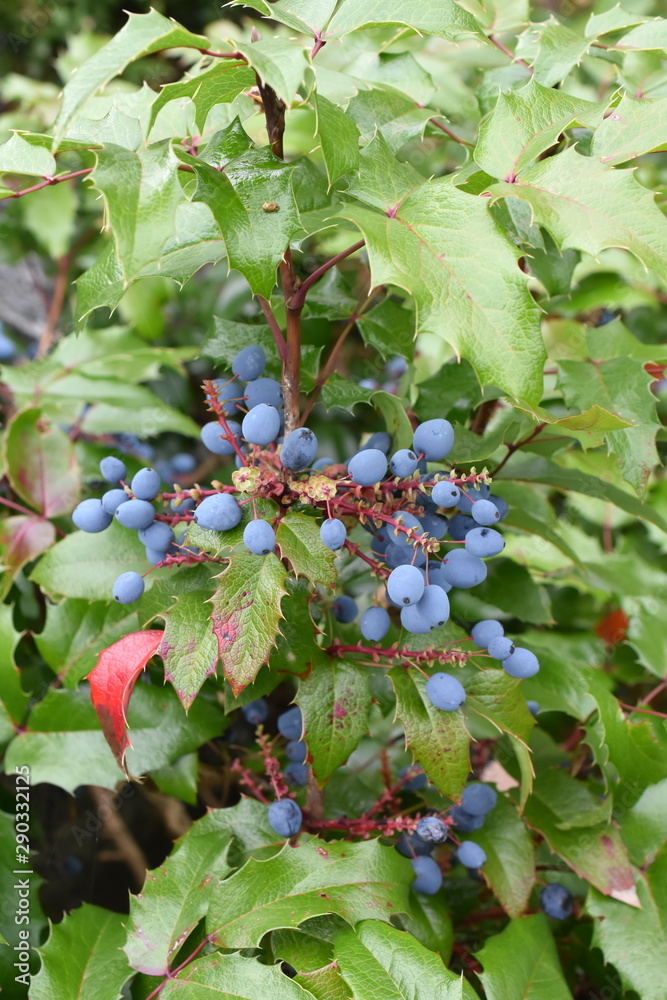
380, 962
50, 216
255, 237
64, 744
644, 827
509, 586
423, 243
279, 63
41, 464
355, 881
75, 567
494, 695
632, 129
174, 899
246, 615
554, 269
20, 157
308, 16
142, 35
218, 542
83, 957
335, 699
218, 83
442, 18
393, 115
22, 539
302, 950
247, 824
439, 740
619, 211
189, 648
635, 939
232, 977
553, 48
389, 328
429, 920
339, 138
525, 124
621, 386
510, 856
324, 984
13, 699
180, 779
522, 961
298, 537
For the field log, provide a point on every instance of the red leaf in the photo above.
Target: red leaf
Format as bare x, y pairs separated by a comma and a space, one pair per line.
111, 683
614, 627
21, 540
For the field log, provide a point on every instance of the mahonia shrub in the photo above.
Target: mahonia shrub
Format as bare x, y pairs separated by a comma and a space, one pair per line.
335, 513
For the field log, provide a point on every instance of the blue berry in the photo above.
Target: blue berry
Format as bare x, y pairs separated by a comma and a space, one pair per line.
484, 543
434, 438
533, 707
112, 469
436, 575
344, 609
470, 494
145, 484
212, 435
112, 499
375, 623
521, 663
249, 363
296, 751
396, 555
219, 512
403, 463
478, 799
411, 845
459, 526
416, 779
261, 425
405, 585
463, 570
470, 854
187, 503
290, 723
323, 463
155, 556
429, 876
446, 494
445, 692
135, 514
432, 829
157, 535
255, 711
434, 525
90, 516
298, 449
380, 440
414, 621
401, 538
485, 512
333, 533
182, 463
263, 390
297, 774
229, 394
368, 467
500, 647
465, 822
396, 367
501, 505
433, 606
259, 537
285, 817
556, 901
128, 588
483, 632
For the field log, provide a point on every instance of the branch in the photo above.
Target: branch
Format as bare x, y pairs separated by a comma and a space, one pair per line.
273, 324
297, 301
56, 306
48, 181
508, 52
224, 55
511, 448
452, 135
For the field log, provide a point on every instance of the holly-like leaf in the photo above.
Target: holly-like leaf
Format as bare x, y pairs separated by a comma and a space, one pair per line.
22, 539
324, 984
218, 977
308, 16
423, 243
246, 615
553, 49
644, 827
189, 647
253, 203
335, 699
380, 961
622, 386
142, 35
430, 921
510, 585
298, 537
41, 464
494, 695
247, 824
443, 18
522, 961
439, 740
339, 138
389, 328
634, 940
510, 856
13, 699
218, 83
632, 129
20, 157
355, 881
112, 680
280, 63
84, 566
83, 957
174, 899
525, 123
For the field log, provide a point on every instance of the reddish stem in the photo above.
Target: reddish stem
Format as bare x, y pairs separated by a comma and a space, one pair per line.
275, 329
48, 181
452, 135
508, 52
216, 406
298, 299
